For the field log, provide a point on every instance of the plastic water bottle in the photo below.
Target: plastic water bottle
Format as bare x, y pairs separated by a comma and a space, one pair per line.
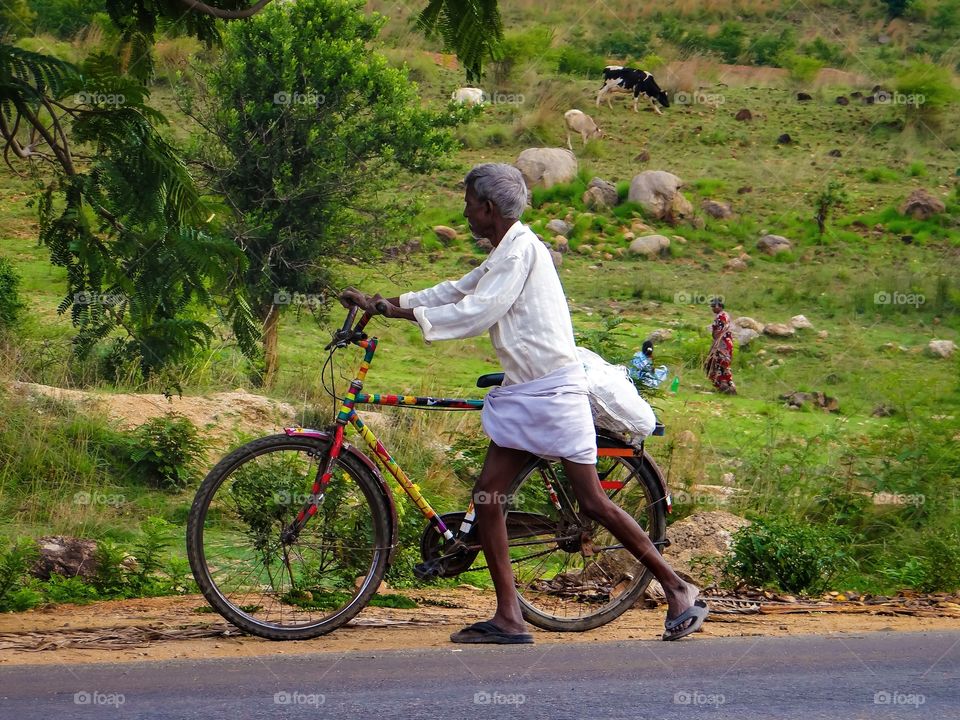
675, 384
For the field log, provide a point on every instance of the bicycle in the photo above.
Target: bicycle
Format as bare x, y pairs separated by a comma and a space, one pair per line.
290, 535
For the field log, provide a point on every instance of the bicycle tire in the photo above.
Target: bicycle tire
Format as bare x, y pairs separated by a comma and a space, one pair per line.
595, 601
260, 520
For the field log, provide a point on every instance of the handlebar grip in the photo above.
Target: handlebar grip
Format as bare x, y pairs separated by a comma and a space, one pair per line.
348, 323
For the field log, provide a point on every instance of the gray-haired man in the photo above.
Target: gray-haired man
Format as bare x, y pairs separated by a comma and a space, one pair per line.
542, 407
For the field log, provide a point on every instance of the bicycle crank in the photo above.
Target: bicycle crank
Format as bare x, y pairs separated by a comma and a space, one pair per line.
443, 559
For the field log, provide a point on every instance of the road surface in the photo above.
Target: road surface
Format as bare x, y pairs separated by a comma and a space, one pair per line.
871, 675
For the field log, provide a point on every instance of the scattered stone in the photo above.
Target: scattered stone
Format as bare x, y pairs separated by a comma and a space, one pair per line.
799, 322
835, 153
658, 192
585, 249
942, 348
679, 239
687, 438
66, 556
884, 410
774, 244
559, 227
650, 245
445, 234
856, 94
660, 335
735, 264
778, 330
818, 399
784, 139
843, 100
744, 190
628, 235
823, 335
785, 349
643, 157
600, 195
557, 258
484, 244
747, 322
744, 115
640, 228
906, 239
744, 336
804, 97
716, 209
547, 166
921, 205
727, 479
561, 244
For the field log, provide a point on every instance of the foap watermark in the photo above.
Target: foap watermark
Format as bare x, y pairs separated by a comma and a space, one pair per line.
491, 498
298, 98
500, 98
99, 98
293, 697
285, 497
895, 697
98, 498
683, 297
885, 97
498, 698
890, 498
698, 98
899, 298
300, 299
94, 697
105, 299
683, 497
696, 697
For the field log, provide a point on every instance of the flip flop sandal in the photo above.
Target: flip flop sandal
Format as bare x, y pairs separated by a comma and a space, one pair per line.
487, 633
695, 615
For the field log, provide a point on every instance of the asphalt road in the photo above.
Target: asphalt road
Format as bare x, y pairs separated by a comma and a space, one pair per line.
874, 675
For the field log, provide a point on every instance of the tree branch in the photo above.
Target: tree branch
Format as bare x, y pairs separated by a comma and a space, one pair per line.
216, 12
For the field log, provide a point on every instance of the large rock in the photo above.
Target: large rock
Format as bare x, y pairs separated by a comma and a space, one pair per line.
747, 322
735, 264
716, 209
658, 192
942, 348
600, 195
774, 244
561, 244
557, 258
921, 205
67, 556
778, 330
799, 322
445, 234
547, 166
650, 245
559, 227
744, 336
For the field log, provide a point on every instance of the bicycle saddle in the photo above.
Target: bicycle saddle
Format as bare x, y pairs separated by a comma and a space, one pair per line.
490, 380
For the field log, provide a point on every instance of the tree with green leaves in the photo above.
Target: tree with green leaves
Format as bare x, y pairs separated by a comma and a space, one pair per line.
309, 130
119, 209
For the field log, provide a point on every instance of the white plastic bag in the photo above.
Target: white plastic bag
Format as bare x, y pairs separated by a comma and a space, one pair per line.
614, 400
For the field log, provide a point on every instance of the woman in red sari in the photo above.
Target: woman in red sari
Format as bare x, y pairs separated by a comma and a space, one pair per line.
717, 365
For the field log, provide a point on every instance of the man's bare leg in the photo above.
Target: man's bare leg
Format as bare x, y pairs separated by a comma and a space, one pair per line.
500, 468
595, 504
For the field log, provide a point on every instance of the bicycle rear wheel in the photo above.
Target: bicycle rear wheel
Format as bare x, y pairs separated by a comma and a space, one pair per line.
571, 574
292, 588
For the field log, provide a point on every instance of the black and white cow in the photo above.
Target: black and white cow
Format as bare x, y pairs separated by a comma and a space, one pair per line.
618, 79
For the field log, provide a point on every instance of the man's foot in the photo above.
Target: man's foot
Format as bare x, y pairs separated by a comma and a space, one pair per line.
681, 601
487, 633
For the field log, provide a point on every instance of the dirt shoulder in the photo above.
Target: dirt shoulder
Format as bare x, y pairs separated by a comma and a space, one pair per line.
169, 628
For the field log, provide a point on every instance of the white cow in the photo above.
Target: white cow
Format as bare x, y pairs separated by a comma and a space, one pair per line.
468, 96
580, 122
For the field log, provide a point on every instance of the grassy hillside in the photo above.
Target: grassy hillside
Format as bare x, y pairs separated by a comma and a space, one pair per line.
897, 428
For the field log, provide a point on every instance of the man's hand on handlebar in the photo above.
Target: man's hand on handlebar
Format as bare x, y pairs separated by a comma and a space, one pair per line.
375, 304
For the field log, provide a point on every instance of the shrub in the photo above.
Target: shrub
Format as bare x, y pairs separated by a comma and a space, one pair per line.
802, 69
796, 557
624, 44
573, 61
167, 450
11, 307
928, 89
15, 562
830, 53
770, 49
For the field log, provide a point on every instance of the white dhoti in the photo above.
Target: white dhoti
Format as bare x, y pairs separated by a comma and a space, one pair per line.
549, 416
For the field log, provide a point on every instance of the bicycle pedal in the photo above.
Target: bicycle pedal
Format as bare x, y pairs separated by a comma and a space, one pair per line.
426, 570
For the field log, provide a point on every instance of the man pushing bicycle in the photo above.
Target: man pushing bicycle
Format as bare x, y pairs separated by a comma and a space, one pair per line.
542, 408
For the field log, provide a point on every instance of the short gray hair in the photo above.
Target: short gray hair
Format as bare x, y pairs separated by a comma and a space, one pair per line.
502, 185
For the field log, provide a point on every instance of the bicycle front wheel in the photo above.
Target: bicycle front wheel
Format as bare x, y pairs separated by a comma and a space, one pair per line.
266, 582
571, 574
